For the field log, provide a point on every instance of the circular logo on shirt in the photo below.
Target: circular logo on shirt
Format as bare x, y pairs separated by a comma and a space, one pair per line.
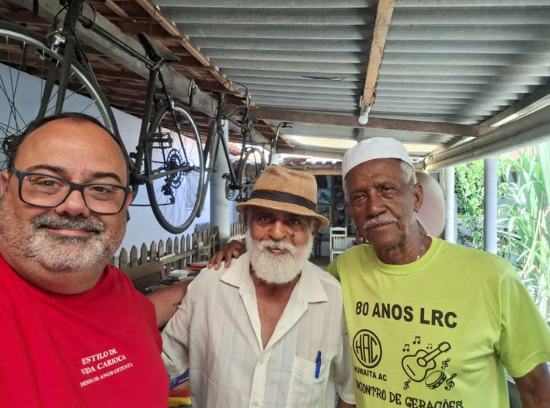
367, 348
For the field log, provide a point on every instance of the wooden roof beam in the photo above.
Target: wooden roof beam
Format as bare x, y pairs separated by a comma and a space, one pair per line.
115, 8
177, 84
156, 14
384, 14
351, 121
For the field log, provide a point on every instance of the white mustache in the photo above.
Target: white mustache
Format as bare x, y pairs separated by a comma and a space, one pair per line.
277, 245
379, 221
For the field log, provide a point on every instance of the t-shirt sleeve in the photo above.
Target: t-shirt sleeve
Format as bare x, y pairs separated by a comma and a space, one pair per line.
175, 337
344, 377
525, 337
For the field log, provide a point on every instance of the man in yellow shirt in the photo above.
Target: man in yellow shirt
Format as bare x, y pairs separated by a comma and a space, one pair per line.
431, 324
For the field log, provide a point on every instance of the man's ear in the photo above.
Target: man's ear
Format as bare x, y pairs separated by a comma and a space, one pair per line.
129, 199
418, 192
4, 181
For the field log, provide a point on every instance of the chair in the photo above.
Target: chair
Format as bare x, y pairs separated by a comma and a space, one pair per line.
145, 275
337, 240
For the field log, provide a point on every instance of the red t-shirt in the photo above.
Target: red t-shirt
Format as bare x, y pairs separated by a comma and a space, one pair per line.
99, 349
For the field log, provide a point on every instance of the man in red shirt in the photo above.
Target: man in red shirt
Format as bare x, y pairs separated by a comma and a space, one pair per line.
75, 333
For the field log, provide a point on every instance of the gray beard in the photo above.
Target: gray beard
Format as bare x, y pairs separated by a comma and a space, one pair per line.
277, 269
59, 253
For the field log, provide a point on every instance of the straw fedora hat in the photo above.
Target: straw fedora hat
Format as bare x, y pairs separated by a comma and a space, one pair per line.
285, 190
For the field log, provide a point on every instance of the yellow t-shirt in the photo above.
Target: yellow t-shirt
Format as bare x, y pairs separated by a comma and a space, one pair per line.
439, 332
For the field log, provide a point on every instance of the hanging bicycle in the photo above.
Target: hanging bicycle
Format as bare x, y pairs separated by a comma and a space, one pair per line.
42, 76
242, 174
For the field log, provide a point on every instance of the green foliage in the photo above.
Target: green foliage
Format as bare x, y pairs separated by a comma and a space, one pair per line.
524, 215
469, 203
469, 189
524, 221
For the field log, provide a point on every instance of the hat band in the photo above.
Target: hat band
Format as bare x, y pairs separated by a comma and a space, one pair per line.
284, 198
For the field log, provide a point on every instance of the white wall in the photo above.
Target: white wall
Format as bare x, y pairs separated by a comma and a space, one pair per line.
142, 226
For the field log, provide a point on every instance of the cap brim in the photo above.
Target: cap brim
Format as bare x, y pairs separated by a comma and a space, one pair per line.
286, 207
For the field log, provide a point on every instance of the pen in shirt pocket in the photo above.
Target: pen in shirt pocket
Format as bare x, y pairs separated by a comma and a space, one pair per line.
318, 365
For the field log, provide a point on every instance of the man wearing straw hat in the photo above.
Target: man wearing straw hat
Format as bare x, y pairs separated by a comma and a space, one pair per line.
268, 331
440, 324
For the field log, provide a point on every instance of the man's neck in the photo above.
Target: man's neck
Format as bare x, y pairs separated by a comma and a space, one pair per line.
272, 300
61, 282
405, 253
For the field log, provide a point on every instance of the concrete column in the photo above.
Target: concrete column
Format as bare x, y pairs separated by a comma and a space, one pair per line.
450, 205
490, 201
276, 159
219, 205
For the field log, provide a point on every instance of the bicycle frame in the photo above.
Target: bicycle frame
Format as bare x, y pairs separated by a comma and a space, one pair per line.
72, 50
165, 158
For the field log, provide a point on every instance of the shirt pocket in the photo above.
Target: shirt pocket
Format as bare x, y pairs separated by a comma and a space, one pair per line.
305, 390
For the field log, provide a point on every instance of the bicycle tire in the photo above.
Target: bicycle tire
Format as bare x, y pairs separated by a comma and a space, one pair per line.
210, 154
23, 50
250, 169
174, 168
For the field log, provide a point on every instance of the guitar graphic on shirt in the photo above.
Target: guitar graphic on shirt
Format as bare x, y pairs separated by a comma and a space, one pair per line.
418, 365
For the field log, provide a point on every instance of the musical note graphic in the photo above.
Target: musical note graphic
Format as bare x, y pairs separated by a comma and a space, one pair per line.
406, 385
416, 340
445, 363
450, 383
430, 346
407, 348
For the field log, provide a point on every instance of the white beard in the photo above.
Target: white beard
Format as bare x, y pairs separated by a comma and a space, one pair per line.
277, 269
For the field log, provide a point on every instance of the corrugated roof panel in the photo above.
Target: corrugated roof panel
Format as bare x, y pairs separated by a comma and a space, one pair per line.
484, 55
290, 54
444, 61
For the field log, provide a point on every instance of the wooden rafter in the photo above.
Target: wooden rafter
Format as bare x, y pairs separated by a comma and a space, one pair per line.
384, 14
159, 17
176, 83
115, 8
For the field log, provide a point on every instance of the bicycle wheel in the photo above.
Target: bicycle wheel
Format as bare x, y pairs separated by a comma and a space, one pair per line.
174, 168
27, 67
251, 167
210, 154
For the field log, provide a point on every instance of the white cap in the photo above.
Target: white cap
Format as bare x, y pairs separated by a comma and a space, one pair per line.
374, 148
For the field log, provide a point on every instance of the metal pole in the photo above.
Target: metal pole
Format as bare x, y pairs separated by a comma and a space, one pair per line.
219, 205
490, 220
450, 205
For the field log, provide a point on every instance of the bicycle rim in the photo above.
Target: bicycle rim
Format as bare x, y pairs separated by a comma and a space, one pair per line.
210, 154
25, 62
252, 166
174, 169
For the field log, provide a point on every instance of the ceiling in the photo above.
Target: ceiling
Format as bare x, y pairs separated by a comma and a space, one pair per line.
432, 73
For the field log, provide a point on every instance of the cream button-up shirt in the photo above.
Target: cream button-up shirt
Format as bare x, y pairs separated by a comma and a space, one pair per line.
216, 334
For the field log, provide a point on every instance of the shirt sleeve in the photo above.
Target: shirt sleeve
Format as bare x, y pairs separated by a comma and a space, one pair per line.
333, 269
525, 337
175, 337
344, 378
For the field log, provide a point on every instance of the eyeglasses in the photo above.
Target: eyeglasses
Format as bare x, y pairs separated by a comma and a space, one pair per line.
47, 191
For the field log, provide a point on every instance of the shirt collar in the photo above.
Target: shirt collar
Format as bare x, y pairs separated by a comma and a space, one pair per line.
308, 289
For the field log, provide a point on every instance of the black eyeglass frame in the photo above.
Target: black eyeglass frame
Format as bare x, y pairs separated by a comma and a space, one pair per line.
72, 187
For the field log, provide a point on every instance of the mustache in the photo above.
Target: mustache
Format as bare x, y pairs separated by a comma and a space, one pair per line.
277, 245
77, 223
379, 221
